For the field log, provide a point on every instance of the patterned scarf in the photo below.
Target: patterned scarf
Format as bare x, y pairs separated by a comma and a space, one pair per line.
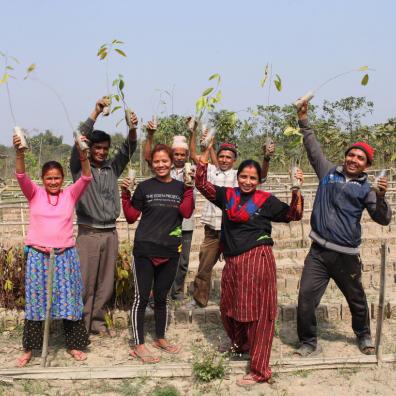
241, 214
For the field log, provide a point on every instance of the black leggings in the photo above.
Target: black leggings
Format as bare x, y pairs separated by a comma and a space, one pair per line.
76, 336
160, 279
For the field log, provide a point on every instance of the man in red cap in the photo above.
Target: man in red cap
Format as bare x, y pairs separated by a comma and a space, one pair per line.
343, 194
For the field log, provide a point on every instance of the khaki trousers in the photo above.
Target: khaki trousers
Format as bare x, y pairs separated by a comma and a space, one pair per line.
209, 253
98, 250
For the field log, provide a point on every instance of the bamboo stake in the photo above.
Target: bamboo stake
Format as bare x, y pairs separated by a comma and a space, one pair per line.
51, 266
23, 221
381, 301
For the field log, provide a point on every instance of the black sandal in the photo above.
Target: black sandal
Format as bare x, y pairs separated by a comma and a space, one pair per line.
366, 345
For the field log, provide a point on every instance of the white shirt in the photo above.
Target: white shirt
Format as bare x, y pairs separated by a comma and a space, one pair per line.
211, 214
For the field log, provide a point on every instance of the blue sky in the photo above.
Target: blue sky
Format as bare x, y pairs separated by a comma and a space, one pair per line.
176, 45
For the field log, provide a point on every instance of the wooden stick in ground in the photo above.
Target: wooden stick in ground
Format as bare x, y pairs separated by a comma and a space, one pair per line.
51, 266
381, 302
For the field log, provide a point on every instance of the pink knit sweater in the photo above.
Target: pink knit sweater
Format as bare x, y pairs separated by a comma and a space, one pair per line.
51, 226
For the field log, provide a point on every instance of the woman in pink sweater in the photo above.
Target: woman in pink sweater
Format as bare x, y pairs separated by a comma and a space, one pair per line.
51, 211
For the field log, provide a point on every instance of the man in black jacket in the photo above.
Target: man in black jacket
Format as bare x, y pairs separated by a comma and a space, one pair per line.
343, 194
97, 211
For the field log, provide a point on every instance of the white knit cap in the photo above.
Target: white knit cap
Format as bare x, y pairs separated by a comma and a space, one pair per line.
179, 142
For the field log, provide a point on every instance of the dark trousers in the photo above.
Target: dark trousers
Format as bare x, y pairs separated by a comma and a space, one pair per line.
76, 336
98, 250
160, 279
320, 265
177, 292
209, 253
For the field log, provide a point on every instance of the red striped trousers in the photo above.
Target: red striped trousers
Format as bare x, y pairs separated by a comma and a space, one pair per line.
248, 305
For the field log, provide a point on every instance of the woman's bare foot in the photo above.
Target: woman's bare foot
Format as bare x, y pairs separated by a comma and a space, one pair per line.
145, 355
166, 346
25, 359
77, 355
246, 381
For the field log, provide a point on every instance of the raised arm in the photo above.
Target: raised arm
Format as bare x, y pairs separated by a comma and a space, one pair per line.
281, 212
268, 153
19, 155
316, 157
148, 144
85, 129
192, 144
27, 186
376, 204
128, 147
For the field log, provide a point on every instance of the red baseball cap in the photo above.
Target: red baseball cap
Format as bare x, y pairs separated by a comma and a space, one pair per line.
368, 150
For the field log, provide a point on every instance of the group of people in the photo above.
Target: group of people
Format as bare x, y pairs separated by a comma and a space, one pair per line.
237, 221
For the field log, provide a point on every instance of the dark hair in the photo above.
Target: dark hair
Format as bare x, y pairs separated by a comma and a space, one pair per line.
99, 137
51, 165
248, 163
162, 147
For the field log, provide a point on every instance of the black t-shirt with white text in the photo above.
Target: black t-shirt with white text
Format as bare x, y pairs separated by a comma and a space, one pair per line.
159, 231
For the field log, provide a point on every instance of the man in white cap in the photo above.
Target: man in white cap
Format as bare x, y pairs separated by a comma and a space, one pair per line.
180, 157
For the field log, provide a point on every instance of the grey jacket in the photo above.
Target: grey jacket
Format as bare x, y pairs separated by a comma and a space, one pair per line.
339, 202
99, 207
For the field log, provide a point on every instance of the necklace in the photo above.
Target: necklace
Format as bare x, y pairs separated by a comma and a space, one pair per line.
49, 200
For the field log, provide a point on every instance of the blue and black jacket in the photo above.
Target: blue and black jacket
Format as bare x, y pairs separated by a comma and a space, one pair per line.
340, 202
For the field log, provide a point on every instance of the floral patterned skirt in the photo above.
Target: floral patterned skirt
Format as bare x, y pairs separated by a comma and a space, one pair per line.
66, 286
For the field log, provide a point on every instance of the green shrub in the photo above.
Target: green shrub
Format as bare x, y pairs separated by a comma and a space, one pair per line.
209, 364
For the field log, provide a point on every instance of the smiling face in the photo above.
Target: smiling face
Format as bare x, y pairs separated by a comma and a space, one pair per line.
355, 162
248, 179
161, 164
226, 160
53, 181
99, 152
179, 157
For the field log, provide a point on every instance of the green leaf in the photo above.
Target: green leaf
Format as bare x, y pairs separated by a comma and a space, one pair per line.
115, 109
31, 68
234, 118
265, 78
219, 96
103, 55
9, 68
278, 83
290, 131
120, 52
207, 91
121, 85
117, 97
363, 68
15, 59
101, 50
177, 232
263, 237
215, 76
115, 41
5, 78
365, 79
8, 285
200, 104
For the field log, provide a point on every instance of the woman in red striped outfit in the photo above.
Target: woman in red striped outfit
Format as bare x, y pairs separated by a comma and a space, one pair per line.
248, 285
